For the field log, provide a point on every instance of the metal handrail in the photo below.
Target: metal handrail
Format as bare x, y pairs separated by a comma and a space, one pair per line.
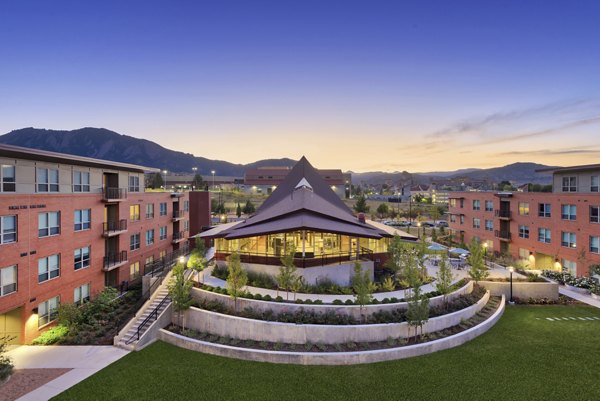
112, 226
112, 259
114, 193
152, 314
301, 262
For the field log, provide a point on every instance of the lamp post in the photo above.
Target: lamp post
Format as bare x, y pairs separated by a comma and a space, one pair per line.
165, 173
511, 270
213, 174
485, 248
195, 170
419, 229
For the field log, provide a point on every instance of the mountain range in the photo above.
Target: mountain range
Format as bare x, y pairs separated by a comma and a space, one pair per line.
105, 144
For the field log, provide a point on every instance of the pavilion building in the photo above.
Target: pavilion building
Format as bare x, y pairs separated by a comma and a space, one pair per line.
303, 212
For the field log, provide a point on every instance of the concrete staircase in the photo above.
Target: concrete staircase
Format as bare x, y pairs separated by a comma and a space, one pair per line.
128, 338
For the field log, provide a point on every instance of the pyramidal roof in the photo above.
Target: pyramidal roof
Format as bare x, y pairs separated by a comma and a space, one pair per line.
302, 201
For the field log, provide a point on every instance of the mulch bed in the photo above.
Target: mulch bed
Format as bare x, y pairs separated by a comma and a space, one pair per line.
24, 381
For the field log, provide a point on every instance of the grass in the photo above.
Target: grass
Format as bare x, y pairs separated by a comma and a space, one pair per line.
524, 357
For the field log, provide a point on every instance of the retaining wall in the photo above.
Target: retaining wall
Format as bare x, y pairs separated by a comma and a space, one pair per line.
291, 333
523, 290
349, 310
333, 358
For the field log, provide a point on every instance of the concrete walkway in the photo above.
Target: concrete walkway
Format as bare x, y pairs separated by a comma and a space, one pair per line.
85, 360
580, 297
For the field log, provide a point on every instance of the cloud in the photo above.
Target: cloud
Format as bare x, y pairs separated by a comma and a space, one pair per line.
593, 150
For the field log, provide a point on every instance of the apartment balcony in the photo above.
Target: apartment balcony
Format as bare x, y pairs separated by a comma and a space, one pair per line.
503, 235
112, 228
178, 215
114, 260
111, 195
503, 214
178, 237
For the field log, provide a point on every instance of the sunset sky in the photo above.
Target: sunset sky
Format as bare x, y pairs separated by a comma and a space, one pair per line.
362, 86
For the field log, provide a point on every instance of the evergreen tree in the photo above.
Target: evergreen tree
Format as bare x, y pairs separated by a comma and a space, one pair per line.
249, 208
238, 211
361, 205
382, 210
156, 181
198, 182
237, 278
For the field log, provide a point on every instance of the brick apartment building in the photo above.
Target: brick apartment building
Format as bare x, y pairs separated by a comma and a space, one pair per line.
69, 226
547, 230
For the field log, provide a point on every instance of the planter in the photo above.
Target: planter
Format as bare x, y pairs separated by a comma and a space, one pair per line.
578, 290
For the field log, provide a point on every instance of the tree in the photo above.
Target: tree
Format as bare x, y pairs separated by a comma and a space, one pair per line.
361, 205
418, 198
237, 278
198, 182
197, 261
476, 259
238, 211
249, 207
394, 260
382, 210
156, 181
417, 313
363, 286
434, 236
297, 285
179, 290
444, 278
6, 365
287, 272
435, 214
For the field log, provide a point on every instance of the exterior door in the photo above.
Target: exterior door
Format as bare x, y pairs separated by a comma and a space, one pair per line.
10, 325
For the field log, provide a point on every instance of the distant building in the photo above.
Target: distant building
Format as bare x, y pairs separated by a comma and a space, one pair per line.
185, 182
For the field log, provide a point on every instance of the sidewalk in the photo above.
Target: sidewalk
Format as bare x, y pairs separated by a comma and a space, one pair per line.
84, 360
580, 297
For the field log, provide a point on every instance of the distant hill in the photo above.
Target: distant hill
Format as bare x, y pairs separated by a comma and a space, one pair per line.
109, 145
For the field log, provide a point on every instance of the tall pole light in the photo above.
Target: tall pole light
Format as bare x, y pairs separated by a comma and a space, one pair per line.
195, 170
419, 229
511, 270
213, 174
165, 173
485, 248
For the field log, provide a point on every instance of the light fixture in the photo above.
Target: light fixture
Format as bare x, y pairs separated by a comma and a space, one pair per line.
181, 259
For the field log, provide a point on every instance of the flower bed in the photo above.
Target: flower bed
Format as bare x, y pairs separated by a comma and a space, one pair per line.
567, 279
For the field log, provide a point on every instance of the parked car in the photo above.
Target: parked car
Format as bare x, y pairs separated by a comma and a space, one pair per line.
442, 223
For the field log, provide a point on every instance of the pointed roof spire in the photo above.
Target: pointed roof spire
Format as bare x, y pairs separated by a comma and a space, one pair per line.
303, 184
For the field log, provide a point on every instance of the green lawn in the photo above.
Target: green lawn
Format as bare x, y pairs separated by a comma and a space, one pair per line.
524, 357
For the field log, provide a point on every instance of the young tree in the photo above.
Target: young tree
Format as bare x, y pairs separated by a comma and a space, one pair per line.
179, 290
435, 213
297, 285
287, 272
444, 278
476, 260
363, 287
249, 207
394, 260
238, 211
237, 278
417, 313
382, 210
197, 261
361, 205
197, 182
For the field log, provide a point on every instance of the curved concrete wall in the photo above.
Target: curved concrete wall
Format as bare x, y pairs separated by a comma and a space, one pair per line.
523, 290
351, 310
291, 333
333, 358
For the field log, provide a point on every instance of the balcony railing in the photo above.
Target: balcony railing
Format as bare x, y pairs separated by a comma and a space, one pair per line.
115, 227
503, 235
504, 214
177, 237
114, 194
177, 214
114, 260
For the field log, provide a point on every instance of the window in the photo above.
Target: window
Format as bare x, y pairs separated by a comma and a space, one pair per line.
134, 270
595, 183
489, 205
594, 244
81, 181
594, 214
149, 261
186, 225
544, 210
569, 240
150, 210
462, 219
523, 231
149, 237
162, 254
476, 223
47, 180
544, 235
186, 206
48, 268
489, 225
476, 205
569, 266
7, 179
48, 311
8, 280
8, 229
48, 224
134, 242
82, 257
568, 212
524, 254
163, 232
453, 202
462, 203
134, 212
134, 183
569, 184
524, 208
82, 219
163, 209
81, 294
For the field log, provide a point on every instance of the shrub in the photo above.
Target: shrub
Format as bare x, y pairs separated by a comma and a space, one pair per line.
349, 302
258, 297
279, 299
6, 365
51, 336
267, 298
337, 302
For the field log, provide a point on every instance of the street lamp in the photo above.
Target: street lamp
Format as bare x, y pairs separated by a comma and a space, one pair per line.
485, 248
165, 173
418, 229
195, 170
213, 174
511, 270
181, 259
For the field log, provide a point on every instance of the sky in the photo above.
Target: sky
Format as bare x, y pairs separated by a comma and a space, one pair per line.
357, 85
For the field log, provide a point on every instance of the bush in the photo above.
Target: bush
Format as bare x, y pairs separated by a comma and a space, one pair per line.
349, 302
267, 298
337, 302
279, 299
51, 336
69, 315
258, 297
6, 365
